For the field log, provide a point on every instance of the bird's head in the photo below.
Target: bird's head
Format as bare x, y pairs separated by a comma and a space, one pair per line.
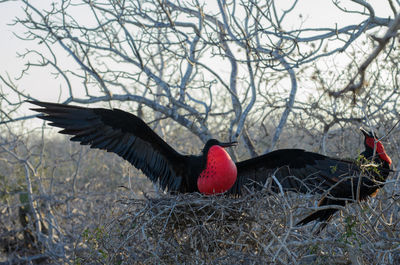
372, 143
213, 142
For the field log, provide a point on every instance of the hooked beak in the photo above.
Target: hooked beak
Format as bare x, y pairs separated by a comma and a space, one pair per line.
228, 144
366, 133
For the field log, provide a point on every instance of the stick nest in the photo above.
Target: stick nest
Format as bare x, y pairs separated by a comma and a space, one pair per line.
258, 228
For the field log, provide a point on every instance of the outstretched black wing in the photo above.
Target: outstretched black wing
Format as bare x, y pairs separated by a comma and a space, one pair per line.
124, 134
292, 170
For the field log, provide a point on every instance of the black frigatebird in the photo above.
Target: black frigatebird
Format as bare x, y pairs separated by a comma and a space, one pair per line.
214, 171
128, 136
339, 180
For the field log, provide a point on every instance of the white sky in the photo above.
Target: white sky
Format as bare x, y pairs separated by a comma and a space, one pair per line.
40, 84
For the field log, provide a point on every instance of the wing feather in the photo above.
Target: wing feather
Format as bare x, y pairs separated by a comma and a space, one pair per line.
121, 133
295, 169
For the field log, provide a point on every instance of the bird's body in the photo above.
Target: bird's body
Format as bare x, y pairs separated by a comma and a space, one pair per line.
214, 171
340, 181
368, 174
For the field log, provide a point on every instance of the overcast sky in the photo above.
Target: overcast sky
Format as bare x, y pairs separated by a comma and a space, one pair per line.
319, 13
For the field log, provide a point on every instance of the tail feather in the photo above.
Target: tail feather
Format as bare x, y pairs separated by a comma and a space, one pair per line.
320, 215
323, 215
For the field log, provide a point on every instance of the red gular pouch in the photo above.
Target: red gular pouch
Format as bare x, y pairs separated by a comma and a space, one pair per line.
380, 150
220, 173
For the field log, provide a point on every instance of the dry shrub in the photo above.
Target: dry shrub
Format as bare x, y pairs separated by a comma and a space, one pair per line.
258, 228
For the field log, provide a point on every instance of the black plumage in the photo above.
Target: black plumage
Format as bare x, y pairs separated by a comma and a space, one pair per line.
287, 169
307, 172
128, 136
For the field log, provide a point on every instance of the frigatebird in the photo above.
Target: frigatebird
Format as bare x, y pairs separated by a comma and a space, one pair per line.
339, 180
131, 138
213, 171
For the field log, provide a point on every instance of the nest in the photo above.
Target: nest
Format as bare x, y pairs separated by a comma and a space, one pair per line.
258, 228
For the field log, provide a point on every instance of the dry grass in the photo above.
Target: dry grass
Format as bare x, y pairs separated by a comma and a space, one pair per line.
255, 229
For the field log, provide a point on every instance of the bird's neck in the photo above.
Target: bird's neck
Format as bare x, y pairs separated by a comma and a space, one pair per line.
219, 173
383, 162
380, 156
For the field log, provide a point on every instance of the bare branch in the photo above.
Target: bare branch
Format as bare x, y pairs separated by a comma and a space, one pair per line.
357, 82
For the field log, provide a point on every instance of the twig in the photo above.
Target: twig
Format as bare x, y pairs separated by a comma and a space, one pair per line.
355, 86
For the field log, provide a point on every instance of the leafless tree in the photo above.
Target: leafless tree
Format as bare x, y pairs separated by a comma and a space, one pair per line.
165, 55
